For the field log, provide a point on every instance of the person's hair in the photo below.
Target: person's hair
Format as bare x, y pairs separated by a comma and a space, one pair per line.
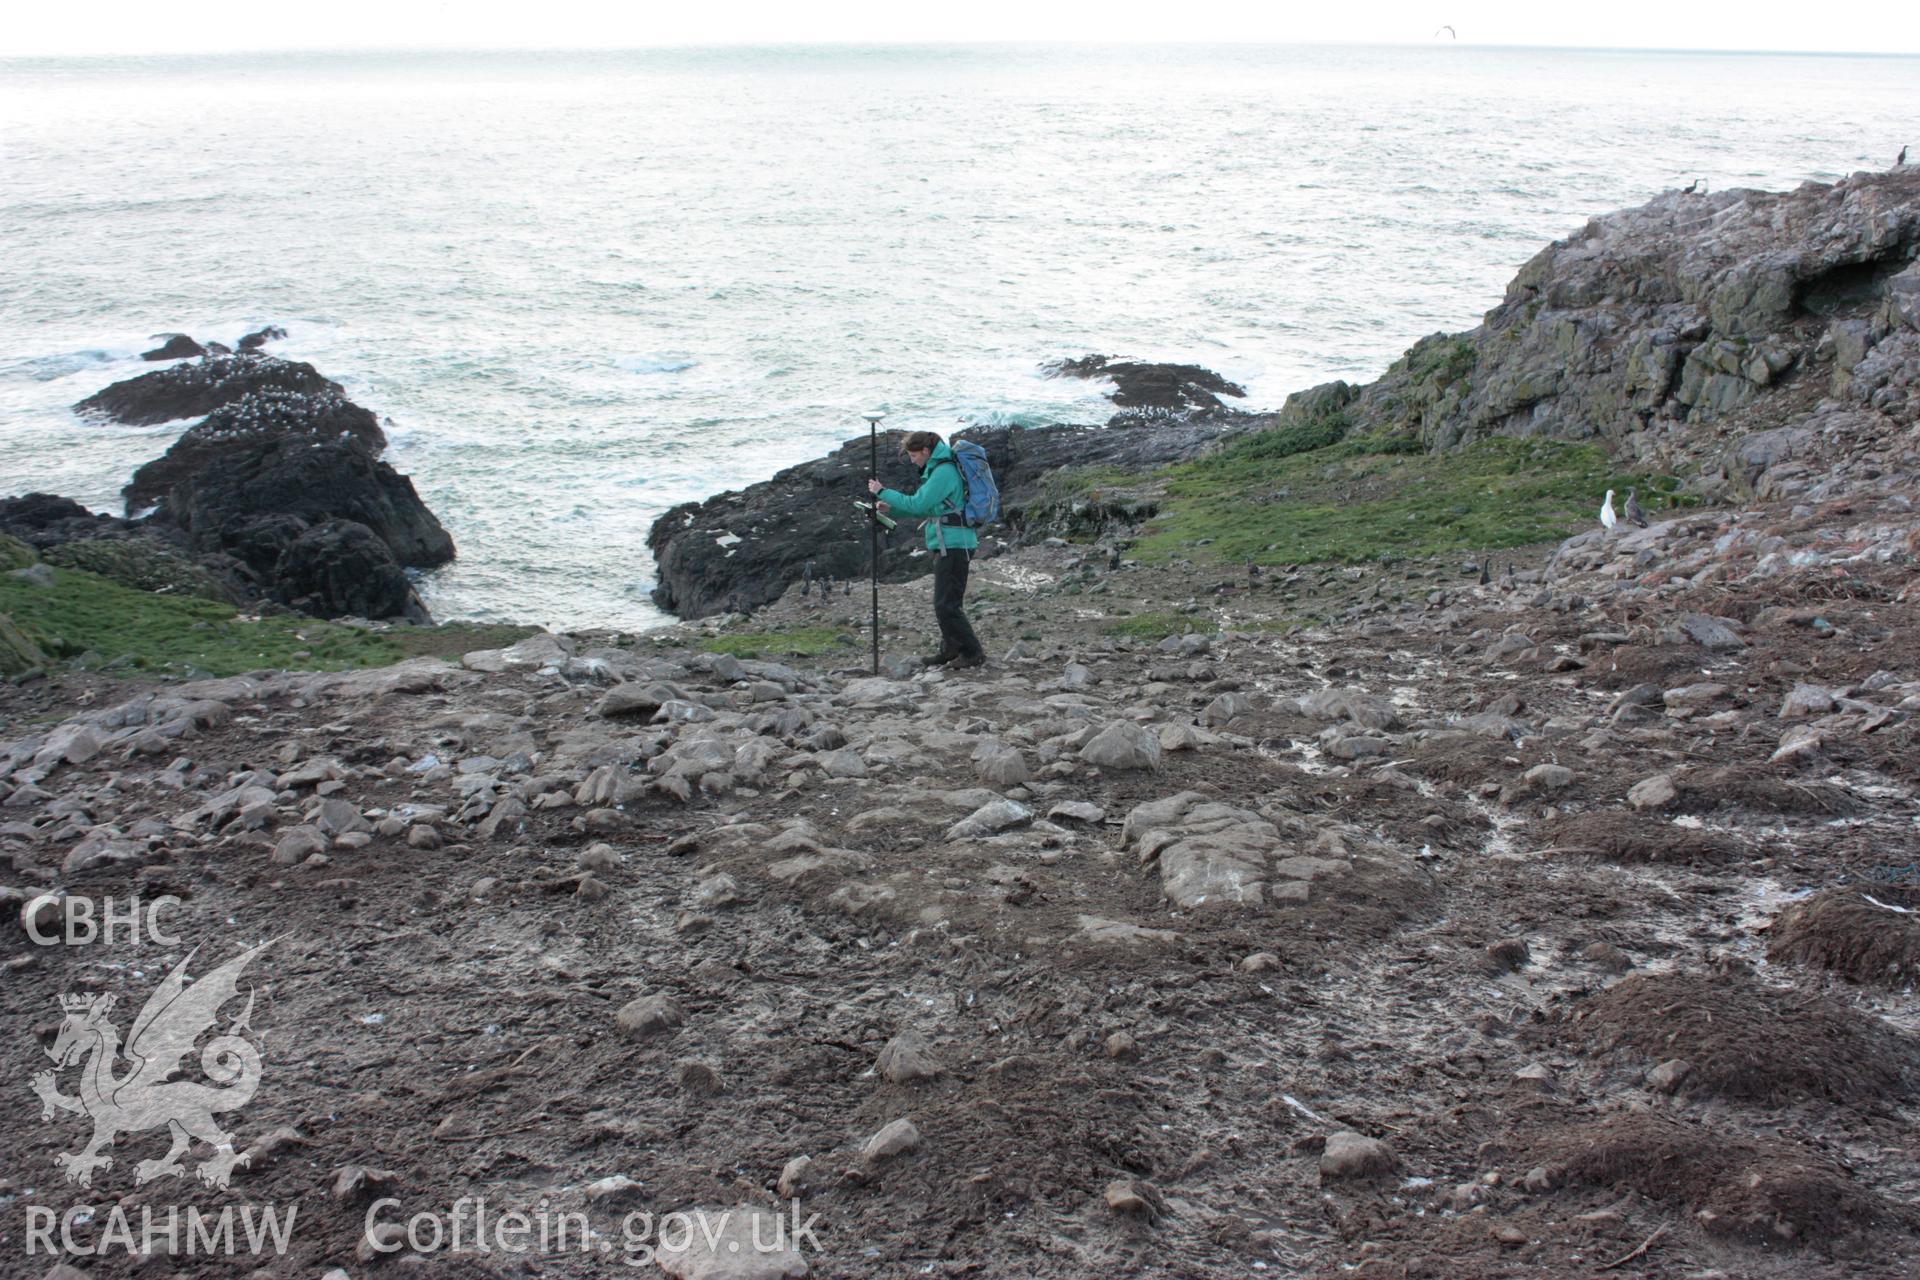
917, 440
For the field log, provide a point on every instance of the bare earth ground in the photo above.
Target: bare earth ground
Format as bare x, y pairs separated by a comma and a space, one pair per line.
1434, 944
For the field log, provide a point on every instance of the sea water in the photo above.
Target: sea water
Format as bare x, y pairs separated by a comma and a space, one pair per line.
583, 287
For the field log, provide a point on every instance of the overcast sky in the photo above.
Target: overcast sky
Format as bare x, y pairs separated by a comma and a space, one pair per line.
155, 26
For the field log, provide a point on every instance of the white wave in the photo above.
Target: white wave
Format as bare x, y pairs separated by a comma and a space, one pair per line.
656, 363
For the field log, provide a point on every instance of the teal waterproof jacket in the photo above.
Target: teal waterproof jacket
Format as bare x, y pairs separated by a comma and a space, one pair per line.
940, 493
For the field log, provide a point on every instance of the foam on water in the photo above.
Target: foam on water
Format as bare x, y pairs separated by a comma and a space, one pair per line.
581, 288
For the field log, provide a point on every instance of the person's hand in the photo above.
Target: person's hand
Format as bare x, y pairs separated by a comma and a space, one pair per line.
882, 508
874, 486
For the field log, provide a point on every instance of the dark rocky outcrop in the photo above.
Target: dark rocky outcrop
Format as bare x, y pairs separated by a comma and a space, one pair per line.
291, 475
252, 422
198, 388
279, 494
178, 346
43, 520
1728, 335
339, 568
742, 550
261, 337
1176, 388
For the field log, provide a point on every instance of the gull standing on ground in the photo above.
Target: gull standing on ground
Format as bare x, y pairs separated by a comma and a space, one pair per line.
1632, 511
1606, 511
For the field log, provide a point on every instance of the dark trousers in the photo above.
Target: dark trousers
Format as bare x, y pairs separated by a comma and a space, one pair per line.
949, 601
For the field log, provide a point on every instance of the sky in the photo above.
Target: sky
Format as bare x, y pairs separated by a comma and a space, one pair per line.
98, 27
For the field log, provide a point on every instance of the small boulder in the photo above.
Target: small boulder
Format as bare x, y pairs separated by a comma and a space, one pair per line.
1353, 1155
649, 1015
896, 1139
1123, 745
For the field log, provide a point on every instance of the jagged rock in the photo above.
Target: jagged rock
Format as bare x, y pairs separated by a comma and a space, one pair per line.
1690, 308
1002, 766
339, 569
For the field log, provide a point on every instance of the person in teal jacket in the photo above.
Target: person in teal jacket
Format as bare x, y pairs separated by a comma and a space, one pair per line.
939, 501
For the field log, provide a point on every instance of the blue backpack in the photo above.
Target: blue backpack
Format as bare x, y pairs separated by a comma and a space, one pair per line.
982, 504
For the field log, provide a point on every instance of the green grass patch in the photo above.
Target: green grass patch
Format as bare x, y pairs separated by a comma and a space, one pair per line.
1158, 626
83, 614
452, 639
1374, 497
1068, 483
800, 642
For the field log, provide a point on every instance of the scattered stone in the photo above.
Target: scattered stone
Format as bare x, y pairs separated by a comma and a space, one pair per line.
1002, 766
1668, 1076
1657, 792
612, 1187
1509, 955
648, 1015
1132, 1196
895, 1139
353, 1181
1548, 777
989, 818
1123, 745
1806, 700
906, 1058
701, 1078
794, 1177
1353, 1155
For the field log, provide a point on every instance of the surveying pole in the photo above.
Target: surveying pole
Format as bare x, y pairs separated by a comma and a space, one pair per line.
873, 528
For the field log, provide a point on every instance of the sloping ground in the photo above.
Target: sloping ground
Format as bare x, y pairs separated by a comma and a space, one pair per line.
1165, 934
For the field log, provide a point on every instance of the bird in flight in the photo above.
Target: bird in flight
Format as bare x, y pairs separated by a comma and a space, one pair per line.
1456, 35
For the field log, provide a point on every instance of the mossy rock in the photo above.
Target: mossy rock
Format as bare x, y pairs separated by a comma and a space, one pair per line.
141, 564
18, 652
14, 554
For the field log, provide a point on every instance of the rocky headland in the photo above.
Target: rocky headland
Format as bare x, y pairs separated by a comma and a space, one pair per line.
277, 495
1414, 912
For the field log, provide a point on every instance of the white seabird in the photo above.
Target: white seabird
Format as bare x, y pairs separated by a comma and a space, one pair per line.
1606, 511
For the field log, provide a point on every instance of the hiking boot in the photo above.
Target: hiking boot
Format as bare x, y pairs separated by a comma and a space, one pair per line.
939, 659
969, 660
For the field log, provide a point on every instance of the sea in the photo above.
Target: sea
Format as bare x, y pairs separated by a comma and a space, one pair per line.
580, 288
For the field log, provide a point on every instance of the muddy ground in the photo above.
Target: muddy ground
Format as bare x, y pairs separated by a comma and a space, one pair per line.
1575, 1033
